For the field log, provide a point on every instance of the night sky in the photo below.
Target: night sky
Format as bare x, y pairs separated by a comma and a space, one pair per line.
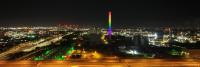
90, 12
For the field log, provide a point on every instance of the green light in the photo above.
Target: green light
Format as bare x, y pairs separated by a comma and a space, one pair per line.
174, 52
68, 52
47, 52
72, 48
38, 58
60, 58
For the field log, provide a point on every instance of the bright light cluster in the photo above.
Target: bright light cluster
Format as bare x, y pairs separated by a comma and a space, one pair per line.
18, 35
103, 39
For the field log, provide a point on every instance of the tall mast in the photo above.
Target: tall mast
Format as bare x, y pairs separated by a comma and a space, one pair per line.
109, 23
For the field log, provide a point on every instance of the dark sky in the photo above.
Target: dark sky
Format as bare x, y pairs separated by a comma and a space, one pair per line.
125, 12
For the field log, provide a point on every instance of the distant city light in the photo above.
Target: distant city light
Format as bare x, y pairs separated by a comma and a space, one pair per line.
133, 52
103, 38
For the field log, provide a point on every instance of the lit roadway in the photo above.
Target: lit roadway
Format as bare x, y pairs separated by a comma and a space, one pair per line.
28, 46
105, 63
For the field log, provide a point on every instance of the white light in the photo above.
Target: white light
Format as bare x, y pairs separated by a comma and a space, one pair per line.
133, 52
155, 36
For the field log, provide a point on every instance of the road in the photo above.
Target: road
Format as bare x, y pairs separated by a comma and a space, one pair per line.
28, 46
45, 53
106, 63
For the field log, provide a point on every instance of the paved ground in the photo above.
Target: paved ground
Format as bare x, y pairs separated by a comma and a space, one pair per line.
106, 63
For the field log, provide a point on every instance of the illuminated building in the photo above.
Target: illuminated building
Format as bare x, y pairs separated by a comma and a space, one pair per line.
109, 31
109, 23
